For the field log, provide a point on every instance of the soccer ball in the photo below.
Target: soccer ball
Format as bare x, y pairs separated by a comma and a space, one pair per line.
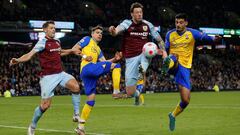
149, 49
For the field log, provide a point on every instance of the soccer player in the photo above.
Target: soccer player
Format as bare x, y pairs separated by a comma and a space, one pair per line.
91, 71
52, 74
180, 43
136, 33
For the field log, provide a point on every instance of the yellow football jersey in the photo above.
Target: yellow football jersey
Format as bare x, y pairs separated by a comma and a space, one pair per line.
182, 44
90, 48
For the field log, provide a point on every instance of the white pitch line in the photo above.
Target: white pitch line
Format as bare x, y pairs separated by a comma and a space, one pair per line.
49, 130
194, 106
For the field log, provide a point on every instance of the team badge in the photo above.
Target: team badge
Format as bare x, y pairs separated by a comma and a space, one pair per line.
187, 37
145, 28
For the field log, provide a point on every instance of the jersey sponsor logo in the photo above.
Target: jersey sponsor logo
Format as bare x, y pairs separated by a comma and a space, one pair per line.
82, 40
145, 34
56, 49
145, 28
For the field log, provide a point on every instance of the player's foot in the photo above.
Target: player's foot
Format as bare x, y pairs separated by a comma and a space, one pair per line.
119, 95
171, 121
165, 66
80, 130
137, 101
76, 118
31, 130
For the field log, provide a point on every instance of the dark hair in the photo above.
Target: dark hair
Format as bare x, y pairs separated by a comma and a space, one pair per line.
135, 5
97, 27
181, 16
45, 25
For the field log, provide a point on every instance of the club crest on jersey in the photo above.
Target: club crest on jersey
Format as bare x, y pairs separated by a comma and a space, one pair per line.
187, 37
145, 28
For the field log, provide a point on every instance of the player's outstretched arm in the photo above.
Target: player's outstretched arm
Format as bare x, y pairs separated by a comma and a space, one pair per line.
77, 51
70, 51
23, 58
114, 31
116, 58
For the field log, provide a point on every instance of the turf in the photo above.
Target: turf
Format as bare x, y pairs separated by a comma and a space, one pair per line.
208, 113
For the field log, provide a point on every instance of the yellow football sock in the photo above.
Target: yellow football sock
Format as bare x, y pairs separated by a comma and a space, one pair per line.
171, 64
141, 98
85, 113
177, 110
116, 76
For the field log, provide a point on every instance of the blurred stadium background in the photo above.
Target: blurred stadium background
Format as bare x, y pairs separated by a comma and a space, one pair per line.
20, 29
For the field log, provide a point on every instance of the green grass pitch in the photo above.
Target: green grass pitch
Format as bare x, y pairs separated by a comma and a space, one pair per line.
209, 113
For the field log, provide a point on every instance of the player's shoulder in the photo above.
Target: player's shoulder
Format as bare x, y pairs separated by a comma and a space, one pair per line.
192, 30
85, 40
42, 41
57, 39
171, 31
128, 21
147, 22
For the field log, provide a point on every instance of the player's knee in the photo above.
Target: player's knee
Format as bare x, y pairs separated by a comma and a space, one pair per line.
76, 88
91, 102
45, 106
186, 101
130, 91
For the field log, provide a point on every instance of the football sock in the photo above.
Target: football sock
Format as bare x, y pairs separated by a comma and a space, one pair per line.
116, 76
179, 108
86, 111
76, 102
141, 98
37, 115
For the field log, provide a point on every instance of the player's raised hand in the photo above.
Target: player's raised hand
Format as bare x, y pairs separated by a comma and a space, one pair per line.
13, 61
112, 30
118, 56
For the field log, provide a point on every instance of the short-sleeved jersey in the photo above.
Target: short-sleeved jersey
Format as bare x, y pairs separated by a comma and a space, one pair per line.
135, 36
49, 55
90, 48
182, 44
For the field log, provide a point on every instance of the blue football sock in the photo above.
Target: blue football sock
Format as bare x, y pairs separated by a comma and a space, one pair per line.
76, 102
37, 115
